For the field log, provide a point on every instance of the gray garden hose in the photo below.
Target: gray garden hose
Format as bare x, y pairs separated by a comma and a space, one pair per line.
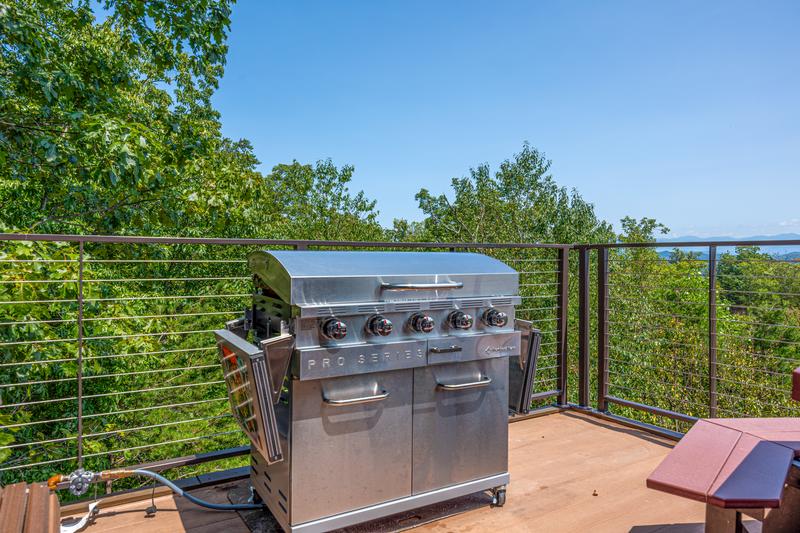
202, 503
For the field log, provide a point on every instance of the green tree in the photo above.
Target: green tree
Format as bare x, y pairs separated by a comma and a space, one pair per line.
520, 202
102, 120
642, 230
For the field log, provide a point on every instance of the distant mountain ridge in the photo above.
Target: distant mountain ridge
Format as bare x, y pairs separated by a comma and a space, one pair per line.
727, 238
779, 251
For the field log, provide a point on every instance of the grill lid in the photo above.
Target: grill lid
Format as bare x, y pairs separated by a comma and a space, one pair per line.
305, 278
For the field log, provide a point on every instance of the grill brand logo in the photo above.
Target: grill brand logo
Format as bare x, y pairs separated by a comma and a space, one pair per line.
395, 355
355, 361
501, 349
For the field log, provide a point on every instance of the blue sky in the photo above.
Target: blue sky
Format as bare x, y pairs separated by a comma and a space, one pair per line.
688, 112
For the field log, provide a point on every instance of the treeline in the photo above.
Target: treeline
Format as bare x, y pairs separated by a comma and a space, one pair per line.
107, 127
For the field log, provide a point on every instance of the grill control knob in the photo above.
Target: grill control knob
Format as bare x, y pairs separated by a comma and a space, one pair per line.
380, 325
459, 320
334, 328
495, 318
422, 323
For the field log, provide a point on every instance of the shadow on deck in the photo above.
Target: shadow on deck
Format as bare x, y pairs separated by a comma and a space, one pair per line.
570, 472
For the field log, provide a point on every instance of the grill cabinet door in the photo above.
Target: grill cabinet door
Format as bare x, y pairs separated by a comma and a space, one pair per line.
460, 422
351, 443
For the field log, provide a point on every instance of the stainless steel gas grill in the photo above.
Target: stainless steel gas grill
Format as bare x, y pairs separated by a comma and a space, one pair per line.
372, 382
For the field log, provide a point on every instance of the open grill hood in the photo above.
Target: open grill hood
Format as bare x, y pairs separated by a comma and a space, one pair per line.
314, 278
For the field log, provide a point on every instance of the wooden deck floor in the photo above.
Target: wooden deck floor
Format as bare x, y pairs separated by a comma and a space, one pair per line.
569, 473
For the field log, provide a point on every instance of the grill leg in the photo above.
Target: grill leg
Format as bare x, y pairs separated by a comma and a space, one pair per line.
719, 520
255, 497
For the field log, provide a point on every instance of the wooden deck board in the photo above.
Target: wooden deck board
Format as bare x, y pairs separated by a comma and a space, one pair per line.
569, 473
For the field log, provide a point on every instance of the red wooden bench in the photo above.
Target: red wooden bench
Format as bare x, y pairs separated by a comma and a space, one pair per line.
736, 466
30, 508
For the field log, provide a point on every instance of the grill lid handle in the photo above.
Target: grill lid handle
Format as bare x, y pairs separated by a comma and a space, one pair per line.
421, 286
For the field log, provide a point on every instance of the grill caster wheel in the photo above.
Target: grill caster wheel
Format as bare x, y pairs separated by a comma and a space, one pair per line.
498, 497
255, 497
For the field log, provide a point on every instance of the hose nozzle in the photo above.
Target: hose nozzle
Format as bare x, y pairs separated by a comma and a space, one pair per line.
54, 480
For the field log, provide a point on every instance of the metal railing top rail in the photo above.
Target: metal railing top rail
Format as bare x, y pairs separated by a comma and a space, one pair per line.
381, 244
134, 239
692, 244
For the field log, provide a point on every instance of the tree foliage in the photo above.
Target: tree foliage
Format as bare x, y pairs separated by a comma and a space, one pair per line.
101, 120
520, 202
106, 126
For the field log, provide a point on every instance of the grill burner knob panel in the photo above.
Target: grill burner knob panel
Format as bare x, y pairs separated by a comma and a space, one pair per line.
380, 325
494, 318
422, 323
459, 320
334, 329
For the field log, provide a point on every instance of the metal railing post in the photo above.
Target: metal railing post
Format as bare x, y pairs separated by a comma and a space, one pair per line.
583, 328
563, 313
79, 361
602, 329
712, 331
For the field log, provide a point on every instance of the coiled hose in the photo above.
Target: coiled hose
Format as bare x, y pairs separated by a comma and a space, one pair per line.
197, 501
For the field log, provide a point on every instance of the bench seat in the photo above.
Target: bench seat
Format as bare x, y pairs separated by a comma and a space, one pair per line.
796, 385
29, 509
735, 463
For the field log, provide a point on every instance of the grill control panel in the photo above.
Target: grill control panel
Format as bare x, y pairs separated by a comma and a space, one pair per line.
337, 330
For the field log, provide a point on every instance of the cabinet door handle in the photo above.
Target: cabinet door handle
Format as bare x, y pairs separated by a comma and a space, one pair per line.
448, 349
359, 400
483, 382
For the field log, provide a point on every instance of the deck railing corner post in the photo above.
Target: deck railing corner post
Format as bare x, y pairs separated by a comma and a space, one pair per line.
583, 327
712, 331
563, 316
602, 328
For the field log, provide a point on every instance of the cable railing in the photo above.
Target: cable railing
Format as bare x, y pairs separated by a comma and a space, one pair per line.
690, 330
109, 359
108, 354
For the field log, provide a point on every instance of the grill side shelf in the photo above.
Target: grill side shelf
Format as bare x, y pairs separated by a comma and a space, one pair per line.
247, 378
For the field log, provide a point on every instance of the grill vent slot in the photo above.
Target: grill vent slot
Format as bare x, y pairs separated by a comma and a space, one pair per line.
501, 301
441, 305
371, 308
328, 311
406, 306
472, 303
